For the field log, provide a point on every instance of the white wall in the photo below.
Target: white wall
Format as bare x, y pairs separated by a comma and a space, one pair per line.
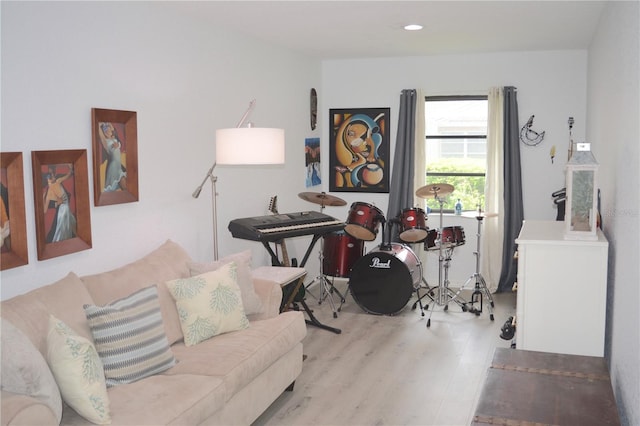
551, 85
613, 111
184, 79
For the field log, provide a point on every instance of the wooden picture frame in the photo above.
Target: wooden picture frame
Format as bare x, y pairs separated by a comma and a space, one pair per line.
115, 156
61, 200
13, 246
359, 148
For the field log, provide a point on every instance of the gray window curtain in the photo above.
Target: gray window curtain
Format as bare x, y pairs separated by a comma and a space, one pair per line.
513, 208
402, 175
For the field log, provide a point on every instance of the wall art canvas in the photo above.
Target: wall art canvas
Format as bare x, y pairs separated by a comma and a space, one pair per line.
312, 161
115, 156
61, 199
13, 226
359, 147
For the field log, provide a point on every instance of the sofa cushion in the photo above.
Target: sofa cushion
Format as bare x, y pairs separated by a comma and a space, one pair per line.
20, 409
240, 356
162, 400
167, 262
64, 299
130, 338
78, 372
250, 300
209, 304
25, 371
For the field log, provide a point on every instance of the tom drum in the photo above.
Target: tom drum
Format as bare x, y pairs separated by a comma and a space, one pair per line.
452, 236
363, 221
413, 228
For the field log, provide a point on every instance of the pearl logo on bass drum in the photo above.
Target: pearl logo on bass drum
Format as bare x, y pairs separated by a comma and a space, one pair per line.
377, 263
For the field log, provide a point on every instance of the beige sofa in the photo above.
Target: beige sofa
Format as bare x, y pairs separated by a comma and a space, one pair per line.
228, 379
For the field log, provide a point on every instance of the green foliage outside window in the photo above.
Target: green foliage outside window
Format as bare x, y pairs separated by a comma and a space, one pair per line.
469, 189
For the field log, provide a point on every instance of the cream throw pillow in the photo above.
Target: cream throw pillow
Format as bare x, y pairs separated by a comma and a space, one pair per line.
209, 304
250, 299
78, 371
24, 369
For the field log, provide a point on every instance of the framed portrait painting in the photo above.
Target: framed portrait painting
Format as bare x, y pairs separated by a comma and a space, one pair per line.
115, 156
13, 226
61, 200
359, 148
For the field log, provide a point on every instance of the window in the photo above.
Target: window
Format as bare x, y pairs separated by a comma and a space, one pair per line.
456, 147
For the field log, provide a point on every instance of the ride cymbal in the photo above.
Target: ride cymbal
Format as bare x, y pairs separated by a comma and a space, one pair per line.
434, 190
322, 198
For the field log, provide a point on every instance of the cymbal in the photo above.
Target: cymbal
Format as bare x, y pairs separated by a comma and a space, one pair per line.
322, 198
476, 215
434, 190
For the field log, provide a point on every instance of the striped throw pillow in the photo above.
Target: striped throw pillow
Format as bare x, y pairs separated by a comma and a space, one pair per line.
130, 338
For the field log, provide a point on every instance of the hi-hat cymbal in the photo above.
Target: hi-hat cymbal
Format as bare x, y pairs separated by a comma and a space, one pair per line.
322, 198
478, 215
434, 190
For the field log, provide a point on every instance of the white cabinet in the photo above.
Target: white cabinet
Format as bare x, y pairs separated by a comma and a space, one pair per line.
562, 291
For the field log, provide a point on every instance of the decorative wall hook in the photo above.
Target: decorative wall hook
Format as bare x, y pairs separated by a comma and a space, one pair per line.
529, 136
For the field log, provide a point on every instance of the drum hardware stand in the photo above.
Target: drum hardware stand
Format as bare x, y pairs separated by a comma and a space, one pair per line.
444, 295
326, 290
326, 286
480, 288
429, 292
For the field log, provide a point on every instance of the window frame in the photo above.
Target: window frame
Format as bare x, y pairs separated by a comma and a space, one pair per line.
447, 98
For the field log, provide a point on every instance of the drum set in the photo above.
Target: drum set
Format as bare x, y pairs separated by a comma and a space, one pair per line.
383, 281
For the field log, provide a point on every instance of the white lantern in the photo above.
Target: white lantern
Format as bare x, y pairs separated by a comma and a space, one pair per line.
581, 208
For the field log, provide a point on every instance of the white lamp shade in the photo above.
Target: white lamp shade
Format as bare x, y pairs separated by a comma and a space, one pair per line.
249, 145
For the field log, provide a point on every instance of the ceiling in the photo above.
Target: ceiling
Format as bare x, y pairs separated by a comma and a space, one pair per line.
369, 29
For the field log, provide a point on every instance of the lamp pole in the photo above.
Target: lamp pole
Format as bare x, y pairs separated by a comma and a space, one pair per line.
214, 194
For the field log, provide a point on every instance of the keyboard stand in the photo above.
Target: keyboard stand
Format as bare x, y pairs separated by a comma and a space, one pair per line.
276, 262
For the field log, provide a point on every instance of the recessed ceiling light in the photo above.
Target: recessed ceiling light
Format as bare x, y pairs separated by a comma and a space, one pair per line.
413, 27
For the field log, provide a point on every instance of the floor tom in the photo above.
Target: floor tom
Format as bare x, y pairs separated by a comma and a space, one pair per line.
340, 251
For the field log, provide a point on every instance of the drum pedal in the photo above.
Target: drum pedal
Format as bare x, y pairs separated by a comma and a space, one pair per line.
476, 297
508, 330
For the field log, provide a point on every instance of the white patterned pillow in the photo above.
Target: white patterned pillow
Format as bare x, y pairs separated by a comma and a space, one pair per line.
76, 366
130, 338
250, 299
209, 304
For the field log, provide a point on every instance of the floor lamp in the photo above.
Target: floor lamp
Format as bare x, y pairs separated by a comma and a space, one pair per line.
242, 146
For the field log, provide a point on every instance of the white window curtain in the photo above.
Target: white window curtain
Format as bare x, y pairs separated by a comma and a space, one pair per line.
493, 227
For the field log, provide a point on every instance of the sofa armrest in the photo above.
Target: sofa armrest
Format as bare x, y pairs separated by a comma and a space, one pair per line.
20, 409
270, 295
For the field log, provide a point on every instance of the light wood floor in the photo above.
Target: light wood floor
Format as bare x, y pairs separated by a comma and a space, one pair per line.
392, 370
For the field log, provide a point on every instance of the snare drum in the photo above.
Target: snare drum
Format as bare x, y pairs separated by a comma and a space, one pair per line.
363, 221
452, 236
340, 251
413, 228
383, 281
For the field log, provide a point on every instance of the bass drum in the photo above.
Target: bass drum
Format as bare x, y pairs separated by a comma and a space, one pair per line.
383, 281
